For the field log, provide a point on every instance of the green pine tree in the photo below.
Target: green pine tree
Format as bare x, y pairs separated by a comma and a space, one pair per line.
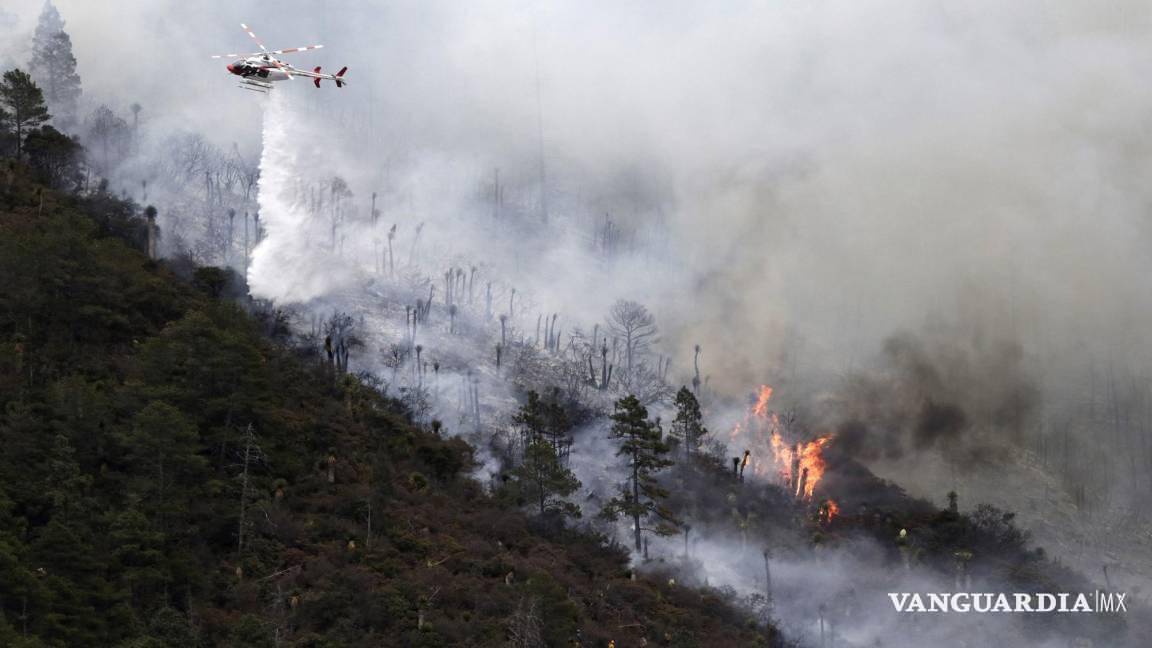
542, 479
642, 442
688, 426
65, 485
55, 156
531, 419
556, 421
162, 449
538, 418
21, 584
137, 552
22, 103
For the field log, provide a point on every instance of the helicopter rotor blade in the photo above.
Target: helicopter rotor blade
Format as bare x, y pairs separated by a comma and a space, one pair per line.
245, 28
295, 49
216, 56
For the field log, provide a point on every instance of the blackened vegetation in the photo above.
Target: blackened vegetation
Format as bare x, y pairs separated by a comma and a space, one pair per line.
173, 476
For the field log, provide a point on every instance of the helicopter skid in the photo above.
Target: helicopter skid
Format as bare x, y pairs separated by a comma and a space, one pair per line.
255, 86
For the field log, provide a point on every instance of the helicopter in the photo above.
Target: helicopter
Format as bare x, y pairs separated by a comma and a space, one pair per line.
259, 70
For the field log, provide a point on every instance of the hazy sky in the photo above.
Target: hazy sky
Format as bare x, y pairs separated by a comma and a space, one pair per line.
829, 171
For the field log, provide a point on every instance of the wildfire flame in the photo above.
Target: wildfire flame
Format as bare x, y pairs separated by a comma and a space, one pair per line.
760, 409
829, 510
799, 466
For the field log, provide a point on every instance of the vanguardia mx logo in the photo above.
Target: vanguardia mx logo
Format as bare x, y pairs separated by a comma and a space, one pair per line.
986, 602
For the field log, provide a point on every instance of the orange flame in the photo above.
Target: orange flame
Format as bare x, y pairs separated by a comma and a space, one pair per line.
761, 408
800, 467
811, 465
829, 510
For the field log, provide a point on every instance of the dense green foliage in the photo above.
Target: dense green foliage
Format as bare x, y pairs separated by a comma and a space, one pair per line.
173, 475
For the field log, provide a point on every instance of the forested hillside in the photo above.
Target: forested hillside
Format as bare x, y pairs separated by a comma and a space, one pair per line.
176, 473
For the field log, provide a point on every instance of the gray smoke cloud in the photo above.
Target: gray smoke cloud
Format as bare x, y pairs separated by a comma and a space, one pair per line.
825, 173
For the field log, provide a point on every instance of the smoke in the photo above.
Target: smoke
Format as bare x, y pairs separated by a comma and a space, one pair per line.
839, 596
931, 392
288, 264
802, 179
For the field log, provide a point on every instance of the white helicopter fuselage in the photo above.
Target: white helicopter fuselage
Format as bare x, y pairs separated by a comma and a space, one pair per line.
258, 69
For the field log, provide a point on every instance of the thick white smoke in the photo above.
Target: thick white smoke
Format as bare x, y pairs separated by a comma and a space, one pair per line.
289, 264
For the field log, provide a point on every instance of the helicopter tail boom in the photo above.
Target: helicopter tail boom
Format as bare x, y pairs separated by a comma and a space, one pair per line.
317, 77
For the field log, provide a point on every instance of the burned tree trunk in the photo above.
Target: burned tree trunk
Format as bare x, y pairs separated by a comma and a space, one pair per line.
150, 214
636, 501
696, 375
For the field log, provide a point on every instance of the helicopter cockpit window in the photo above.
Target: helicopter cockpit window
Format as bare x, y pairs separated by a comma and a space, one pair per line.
239, 64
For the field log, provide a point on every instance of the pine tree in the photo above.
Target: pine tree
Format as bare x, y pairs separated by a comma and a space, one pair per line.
137, 551
21, 582
688, 428
643, 444
54, 66
162, 447
22, 104
543, 480
111, 135
531, 420
55, 156
539, 419
65, 483
557, 422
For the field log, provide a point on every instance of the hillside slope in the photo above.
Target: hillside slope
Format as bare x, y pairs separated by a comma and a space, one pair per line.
176, 473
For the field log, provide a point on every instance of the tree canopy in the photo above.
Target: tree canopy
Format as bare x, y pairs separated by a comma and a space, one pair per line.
54, 66
21, 106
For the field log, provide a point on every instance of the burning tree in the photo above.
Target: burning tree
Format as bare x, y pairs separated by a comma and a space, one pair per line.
643, 443
798, 465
